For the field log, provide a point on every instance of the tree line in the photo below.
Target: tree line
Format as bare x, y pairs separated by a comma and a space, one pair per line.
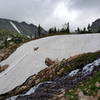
84, 30
66, 29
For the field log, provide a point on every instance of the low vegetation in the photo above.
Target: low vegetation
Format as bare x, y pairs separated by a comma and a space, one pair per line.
87, 90
81, 60
8, 38
9, 42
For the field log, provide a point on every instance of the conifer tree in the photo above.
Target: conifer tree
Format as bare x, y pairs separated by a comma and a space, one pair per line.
89, 28
39, 31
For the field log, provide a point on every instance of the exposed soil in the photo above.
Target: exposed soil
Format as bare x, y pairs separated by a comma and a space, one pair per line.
6, 52
3, 68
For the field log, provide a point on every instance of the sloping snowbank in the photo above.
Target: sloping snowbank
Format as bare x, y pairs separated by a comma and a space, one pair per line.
25, 62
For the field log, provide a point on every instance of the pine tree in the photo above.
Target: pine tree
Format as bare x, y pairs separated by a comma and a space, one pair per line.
35, 34
55, 30
99, 30
84, 30
68, 30
39, 31
50, 30
89, 28
6, 42
78, 30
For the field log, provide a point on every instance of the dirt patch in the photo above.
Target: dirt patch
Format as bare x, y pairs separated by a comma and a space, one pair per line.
6, 52
3, 68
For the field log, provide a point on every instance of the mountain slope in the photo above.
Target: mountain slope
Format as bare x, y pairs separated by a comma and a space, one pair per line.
26, 62
95, 27
20, 27
8, 38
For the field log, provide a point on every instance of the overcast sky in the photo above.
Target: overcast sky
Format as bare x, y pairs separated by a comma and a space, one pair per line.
50, 13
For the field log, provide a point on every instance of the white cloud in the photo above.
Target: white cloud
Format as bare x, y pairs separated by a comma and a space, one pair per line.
62, 12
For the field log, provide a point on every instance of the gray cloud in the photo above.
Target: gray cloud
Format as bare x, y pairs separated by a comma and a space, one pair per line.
84, 4
51, 12
89, 10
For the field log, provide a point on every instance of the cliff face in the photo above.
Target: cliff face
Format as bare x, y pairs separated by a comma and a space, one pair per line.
20, 27
95, 27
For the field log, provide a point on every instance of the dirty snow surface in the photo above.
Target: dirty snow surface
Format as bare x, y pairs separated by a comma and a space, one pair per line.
25, 62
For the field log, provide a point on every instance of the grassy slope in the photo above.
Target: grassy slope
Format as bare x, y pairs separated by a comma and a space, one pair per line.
15, 38
7, 47
88, 87
81, 60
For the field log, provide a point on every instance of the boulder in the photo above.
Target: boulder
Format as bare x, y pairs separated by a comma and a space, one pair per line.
50, 62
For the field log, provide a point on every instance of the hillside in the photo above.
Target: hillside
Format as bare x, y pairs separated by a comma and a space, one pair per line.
56, 47
29, 59
20, 27
8, 38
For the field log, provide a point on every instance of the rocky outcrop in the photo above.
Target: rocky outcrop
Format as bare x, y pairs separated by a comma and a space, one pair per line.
50, 62
95, 27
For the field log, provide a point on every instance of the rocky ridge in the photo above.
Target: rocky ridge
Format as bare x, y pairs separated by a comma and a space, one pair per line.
20, 27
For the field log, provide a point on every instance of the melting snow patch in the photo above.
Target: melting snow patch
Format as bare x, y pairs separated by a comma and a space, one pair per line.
97, 62
87, 70
89, 67
15, 27
32, 90
12, 98
73, 73
9, 39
